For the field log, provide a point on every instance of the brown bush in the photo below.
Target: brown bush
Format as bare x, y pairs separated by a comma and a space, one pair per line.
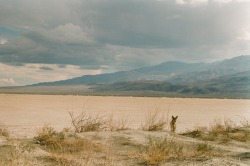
87, 122
155, 121
4, 131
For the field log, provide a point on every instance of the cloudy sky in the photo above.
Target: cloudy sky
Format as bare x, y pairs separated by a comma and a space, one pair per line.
48, 40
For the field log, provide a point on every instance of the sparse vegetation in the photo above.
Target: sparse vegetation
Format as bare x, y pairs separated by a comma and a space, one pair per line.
58, 159
4, 131
13, 153
204, 149
158, 150
117, 125
58, 142
219, 126
222, 132
79, 148
196, 133
244, 122
93, 122
87, 122
155, 151
67, 149
49, 137
154, 121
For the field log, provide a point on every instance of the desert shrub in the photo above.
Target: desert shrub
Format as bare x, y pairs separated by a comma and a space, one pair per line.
204, 149
229, 125
116, 125
14, 152
76, 144
222, 131
4, 131
217, 127
158, 150
193, 133
244, 123
226, 126
229, 131
154, 121
49, 137
242, 136
58, 142
155, 151
87, 122
84, 122
9, 155
58, 159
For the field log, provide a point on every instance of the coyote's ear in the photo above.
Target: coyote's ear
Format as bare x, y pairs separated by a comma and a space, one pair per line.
172, 117
176, 117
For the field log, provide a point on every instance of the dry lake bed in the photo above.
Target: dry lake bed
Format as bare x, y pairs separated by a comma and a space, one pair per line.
37, 130
24, 113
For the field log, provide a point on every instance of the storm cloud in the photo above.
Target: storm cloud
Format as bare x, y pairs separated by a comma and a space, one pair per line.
113, 35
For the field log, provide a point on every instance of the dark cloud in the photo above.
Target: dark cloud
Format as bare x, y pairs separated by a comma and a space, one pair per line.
46, 68
15, 64
121, 34
61, 66
151, 24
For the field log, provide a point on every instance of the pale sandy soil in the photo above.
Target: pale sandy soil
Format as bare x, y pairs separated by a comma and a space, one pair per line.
24, 113
122, 148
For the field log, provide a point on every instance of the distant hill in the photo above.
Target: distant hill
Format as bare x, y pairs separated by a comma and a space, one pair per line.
228, 78
234, 85
160, 72
214, 70
173, 72
140, 86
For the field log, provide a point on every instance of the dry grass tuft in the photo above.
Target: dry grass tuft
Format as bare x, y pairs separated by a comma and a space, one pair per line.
58, 142
159, 150
240, 136
4, 131
9, 155
245, 123
155, 121
67, 149
204, 149
228, 130
13, 153
218, 126
58, 159
193, 133
155, 151
117, 125
223, 131
49, 137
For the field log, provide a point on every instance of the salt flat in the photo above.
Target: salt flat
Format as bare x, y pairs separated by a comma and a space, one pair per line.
23, 114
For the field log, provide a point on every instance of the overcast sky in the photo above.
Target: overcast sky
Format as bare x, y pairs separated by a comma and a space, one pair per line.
48, 40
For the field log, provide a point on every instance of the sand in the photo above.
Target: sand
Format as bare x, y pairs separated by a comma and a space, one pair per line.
23, 114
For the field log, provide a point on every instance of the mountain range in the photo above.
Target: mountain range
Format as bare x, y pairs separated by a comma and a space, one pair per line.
228, 78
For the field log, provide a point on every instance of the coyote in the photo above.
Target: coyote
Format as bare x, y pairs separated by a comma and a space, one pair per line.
173, 123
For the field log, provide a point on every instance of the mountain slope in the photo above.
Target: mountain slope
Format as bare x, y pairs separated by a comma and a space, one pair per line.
160, 72
173, 72
227, 78
214, 70
233, 85
140, 86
